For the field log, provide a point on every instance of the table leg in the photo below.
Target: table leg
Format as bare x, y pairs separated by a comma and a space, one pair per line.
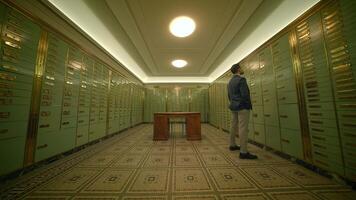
193, 127
161, 128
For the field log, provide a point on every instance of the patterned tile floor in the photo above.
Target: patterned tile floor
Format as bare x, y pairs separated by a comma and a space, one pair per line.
131, 166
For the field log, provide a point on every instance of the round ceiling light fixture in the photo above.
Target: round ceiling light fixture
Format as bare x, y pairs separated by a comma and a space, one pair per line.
179, 63
182, 26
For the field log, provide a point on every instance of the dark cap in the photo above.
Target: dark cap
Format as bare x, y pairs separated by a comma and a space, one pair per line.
234, 68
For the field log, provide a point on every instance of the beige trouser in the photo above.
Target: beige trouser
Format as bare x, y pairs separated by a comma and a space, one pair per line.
239, 124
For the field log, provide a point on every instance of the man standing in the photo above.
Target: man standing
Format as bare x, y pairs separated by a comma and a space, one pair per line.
240, 106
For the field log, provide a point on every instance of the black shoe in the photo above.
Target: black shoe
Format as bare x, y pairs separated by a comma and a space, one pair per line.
247, 156
234, 148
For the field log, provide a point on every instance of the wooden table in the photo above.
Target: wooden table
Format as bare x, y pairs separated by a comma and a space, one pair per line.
161, 125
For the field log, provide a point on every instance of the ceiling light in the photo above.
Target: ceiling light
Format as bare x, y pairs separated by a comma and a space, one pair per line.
179, 63
182, 26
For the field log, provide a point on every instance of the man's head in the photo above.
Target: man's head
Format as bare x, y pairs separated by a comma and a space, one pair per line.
236, 69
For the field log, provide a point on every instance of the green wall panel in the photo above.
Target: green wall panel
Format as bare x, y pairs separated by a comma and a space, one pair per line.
56, 111
50, 143
74, 102
318, 90
292, 142
182, 99
19, 42
320, 62
273, 137
339, 26
14, 160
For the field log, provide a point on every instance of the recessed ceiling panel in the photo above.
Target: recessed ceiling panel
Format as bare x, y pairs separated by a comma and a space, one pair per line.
153, 18
194, 58
226, 31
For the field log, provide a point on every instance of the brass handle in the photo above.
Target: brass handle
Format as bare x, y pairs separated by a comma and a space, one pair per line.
267, 115
316, 122
80, 121
45, 113
8, 54
320, 154
50, 78
49, 84
5, 101
265, 90
3, 131
257, 133
350, 135
318, 138
280, 87
14, 44
4, 115
319, 146
254, 115
278, 67
7, 77
317, 129
44, 125
283, 116
349, 115
348, 106
286, 141
7, 93
10, 68
6, 85
66, 104
314, 106
349, 125
79, 136
283, 98
42, 146
316, 114
65, 123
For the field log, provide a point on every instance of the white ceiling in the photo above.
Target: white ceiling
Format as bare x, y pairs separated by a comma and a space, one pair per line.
226, 31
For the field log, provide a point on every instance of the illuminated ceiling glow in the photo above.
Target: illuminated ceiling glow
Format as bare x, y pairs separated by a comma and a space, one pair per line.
179, 63
81, 15
182, 26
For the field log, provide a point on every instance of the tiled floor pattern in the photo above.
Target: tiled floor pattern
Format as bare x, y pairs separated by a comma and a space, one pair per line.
131, 166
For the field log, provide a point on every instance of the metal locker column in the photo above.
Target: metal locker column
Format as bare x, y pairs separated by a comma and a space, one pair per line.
19, 43
256, 99
288, 110
326, 149
249, 74
339, 25
103, 101
69, 117
270, 106
113, 105
49, 138
86, 74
